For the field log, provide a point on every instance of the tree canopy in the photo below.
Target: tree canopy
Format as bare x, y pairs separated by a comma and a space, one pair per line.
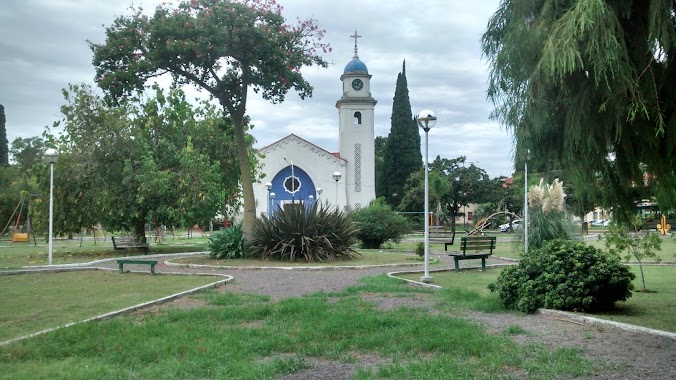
154, 160
452, 186
28, 151
222, 46
402, 151
588, 85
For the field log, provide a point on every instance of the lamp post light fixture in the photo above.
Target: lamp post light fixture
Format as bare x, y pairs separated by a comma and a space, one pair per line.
51, 155
336, 177
426, 120
268, 185
319, 193
312, 199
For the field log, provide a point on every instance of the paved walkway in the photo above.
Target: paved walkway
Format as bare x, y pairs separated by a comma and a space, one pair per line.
283, 282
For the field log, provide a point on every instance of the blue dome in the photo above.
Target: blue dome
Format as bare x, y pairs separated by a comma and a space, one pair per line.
355, 65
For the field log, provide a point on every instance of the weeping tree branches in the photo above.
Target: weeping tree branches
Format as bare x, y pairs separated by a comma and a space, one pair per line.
588, 85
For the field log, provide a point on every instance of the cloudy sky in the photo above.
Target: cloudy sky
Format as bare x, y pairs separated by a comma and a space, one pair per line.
43, 48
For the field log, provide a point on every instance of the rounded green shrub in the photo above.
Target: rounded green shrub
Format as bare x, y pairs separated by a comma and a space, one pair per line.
565, 275
227, 243
420, 249
304, 233
377, 224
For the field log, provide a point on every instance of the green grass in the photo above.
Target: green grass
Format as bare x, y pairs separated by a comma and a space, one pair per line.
249, 337
654, 310
70, 251
34, 302
468, 289
667, 253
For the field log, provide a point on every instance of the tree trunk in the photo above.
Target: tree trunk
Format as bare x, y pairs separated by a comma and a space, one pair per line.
140, 230
249, 216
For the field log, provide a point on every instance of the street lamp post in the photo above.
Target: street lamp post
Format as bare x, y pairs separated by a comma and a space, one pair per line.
272, 201
426, 120
51, 155
525, 203
312, 199
336, 177
293, 183
268, 185
319, 193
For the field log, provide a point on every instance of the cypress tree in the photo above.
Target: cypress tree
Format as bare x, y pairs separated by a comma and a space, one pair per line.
402, 152
4, 144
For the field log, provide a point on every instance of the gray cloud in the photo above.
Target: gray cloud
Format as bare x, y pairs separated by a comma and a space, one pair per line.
44, 48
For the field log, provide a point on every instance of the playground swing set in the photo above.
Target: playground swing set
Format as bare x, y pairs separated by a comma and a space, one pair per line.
21, 237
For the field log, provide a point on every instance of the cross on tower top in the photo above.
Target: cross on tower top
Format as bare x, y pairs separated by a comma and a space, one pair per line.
355, 36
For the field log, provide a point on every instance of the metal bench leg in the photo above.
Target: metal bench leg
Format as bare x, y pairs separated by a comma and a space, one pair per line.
152, 268
120, 265
483, 264
457, 263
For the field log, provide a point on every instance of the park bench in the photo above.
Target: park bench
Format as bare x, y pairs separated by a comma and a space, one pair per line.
125, 242
441, 236
474, 247
152, 263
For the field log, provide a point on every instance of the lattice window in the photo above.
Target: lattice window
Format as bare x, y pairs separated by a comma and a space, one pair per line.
357, 206
357, 168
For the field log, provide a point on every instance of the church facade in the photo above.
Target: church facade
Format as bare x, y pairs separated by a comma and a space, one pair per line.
297, 171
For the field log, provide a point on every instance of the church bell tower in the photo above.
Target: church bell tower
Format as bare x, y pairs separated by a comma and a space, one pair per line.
356, 138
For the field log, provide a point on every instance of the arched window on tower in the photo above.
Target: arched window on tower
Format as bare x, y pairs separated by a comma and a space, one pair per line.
357, 117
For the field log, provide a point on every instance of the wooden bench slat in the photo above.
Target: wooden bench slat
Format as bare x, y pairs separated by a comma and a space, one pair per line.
124, 242
152, 263
442, 236
476, 244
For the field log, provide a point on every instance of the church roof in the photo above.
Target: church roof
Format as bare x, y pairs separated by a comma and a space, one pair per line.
304, 142
356, 66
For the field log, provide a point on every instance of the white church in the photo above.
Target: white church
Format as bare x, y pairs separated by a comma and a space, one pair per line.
298, 171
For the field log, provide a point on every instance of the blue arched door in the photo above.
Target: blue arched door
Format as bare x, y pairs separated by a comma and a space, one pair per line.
292, 185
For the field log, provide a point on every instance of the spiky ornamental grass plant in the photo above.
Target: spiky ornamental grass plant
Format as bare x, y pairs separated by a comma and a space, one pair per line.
305, 233
227, 243
547, 218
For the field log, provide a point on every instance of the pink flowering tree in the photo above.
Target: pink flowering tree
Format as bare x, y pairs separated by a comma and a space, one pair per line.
225, 47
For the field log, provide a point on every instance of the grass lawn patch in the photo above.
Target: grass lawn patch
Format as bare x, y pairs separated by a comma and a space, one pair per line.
70, 251
469, 289
667, 253
247, 337
367, 257
655, 310
37, 301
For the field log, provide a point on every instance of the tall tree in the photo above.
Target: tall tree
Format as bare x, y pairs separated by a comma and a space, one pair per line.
380, 143
223, 47
402, 152
136, 163
463, 185
589, 85
27, 151
4, 143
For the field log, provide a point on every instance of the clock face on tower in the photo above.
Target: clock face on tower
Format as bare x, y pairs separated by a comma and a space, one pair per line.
357, 84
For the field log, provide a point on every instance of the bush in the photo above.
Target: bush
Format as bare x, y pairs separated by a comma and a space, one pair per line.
227, 243
313, 233
378, 224
565, 275
420, 249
